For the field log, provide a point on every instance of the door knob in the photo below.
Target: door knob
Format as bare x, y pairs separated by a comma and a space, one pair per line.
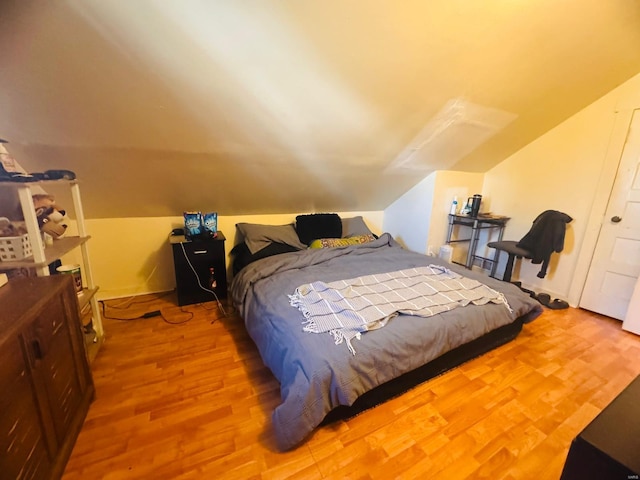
616, 219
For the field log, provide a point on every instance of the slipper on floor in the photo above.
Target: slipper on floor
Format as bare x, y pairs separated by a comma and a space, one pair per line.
558, 304
544, 299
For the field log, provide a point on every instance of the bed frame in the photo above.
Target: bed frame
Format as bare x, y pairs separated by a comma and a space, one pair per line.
434, 368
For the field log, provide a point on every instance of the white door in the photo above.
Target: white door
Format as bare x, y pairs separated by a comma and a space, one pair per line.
616, 260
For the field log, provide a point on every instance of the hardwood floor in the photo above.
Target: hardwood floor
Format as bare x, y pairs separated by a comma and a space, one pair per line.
193, 401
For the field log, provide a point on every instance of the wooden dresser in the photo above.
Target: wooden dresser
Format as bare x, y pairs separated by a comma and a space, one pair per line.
45, 380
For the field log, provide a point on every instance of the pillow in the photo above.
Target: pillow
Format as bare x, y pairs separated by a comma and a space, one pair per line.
354, 226
341, 242
241, 256
318, 225
258, 236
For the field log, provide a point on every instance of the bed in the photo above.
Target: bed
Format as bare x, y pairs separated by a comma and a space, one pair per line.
322, 379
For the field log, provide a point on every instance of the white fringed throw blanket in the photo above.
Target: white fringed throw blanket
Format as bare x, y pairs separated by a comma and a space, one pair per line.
346, 308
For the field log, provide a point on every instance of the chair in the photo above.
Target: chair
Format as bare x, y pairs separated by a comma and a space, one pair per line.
545, 237
512, 249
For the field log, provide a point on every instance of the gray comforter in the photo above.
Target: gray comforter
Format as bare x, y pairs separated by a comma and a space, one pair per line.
315, 375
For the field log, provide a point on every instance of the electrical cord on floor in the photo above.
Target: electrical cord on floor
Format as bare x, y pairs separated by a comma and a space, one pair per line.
151, 314
128, 302
231, 309
182, 321
137, 302
154, 313
158, 313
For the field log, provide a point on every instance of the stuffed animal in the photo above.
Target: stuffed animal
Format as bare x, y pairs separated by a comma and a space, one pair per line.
54, 222
51, 218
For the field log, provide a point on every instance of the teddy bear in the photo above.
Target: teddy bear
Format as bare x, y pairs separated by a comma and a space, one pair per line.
53, 222
51, 218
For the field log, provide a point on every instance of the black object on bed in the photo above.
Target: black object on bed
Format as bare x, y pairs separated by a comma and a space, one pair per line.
242, 256
318, 225
322, 380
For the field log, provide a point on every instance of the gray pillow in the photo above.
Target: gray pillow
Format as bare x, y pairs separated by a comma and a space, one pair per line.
258, 236
355, 226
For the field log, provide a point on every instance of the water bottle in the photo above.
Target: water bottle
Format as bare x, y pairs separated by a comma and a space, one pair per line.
454, 206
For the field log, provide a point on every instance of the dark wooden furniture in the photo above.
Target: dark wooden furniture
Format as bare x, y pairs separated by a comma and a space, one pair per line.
193, 261
43, 257
45, 378
609, 447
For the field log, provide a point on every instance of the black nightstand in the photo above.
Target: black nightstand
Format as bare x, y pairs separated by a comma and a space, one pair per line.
193, 261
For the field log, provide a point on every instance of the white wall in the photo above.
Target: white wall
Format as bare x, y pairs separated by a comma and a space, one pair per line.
571, 168
418, 219
133, 255
409, 217
449, 185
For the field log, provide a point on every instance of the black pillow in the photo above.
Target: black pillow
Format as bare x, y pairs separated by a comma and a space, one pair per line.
241, 255
276, 248
318, 225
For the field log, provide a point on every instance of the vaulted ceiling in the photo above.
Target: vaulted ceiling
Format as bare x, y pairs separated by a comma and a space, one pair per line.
265, 106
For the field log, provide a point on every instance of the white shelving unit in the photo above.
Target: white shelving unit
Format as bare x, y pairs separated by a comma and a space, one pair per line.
44, 255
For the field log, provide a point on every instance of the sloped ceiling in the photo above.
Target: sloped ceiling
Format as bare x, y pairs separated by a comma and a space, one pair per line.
283, 106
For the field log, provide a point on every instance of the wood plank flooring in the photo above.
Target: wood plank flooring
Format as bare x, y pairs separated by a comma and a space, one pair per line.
193, 401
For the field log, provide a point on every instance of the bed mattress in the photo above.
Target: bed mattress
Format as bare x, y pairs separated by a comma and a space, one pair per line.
317, 376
